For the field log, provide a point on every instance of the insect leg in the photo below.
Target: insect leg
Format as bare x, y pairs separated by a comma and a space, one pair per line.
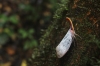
74, 41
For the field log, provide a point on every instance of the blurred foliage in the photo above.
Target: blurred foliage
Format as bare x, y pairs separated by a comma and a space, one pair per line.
21, 23
8, 31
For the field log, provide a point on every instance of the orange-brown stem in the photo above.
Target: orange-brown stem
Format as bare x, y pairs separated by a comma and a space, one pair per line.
70, 21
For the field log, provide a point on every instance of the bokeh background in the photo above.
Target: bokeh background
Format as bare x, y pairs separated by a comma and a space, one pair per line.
22, 23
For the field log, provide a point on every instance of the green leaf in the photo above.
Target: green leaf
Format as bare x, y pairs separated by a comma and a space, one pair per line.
25, 7
23, 33
13, 19
3, 19
34, 43
8, 31
3, 38
30, 44
31, 31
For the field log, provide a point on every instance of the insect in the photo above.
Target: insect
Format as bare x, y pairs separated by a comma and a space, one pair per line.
65, 44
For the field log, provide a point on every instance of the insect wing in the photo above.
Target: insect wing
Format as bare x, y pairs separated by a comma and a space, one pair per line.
64, 45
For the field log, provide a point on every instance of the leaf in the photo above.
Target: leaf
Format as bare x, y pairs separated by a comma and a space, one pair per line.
25, 7
8, 31
23, 33
3, 38
30, 44
13, 19
34, 43
31, 31
3, 19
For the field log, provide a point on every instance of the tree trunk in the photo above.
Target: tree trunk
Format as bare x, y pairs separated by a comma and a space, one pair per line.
85, 16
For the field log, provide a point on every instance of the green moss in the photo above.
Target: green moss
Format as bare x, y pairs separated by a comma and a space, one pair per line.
86, 47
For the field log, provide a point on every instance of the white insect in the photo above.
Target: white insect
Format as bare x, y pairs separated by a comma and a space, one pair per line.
65, 44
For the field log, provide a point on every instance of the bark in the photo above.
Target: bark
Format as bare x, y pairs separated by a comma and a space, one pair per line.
85, 16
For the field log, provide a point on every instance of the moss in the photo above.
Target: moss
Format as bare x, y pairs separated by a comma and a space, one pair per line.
80, 54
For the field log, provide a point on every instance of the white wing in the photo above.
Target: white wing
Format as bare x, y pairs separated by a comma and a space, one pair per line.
64, 45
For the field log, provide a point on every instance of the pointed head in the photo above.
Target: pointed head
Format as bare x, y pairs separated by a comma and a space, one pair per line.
71, 24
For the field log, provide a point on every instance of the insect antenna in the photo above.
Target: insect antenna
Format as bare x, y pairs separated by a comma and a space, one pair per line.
78, 36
